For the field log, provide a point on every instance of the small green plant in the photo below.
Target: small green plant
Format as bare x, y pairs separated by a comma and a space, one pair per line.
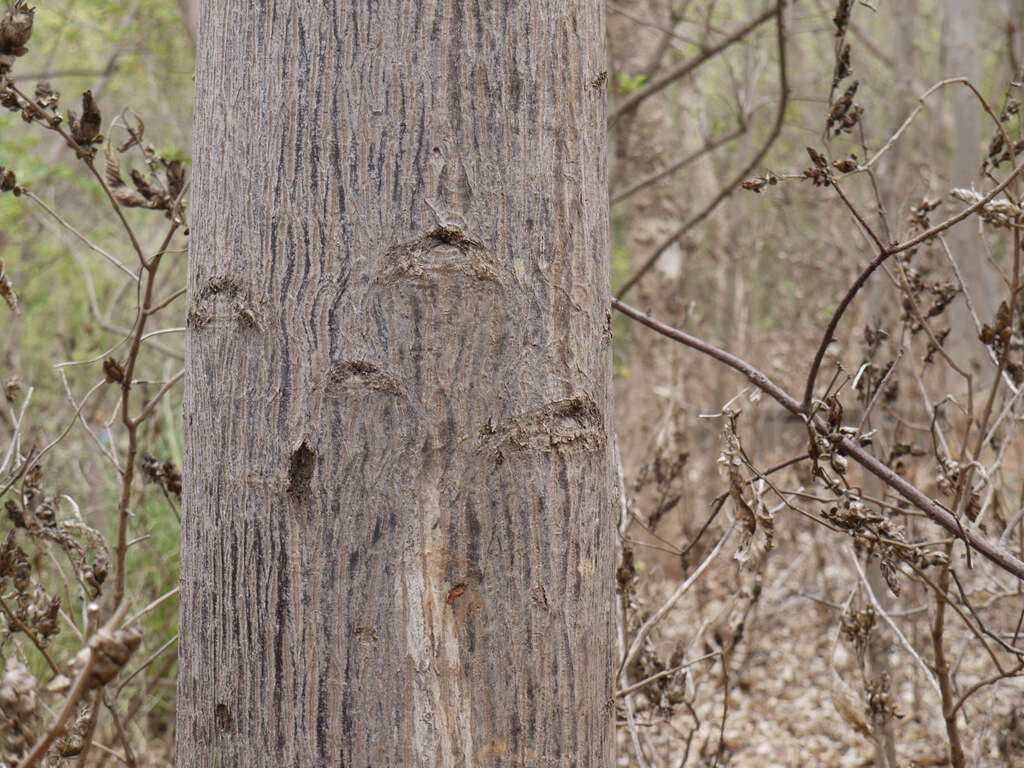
627, 84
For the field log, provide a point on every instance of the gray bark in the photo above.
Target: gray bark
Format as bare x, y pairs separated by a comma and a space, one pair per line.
398, 536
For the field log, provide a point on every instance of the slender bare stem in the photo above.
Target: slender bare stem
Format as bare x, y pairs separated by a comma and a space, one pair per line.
996, 554
58, 727
647, 626
892, 625
709, 146
942, 671
88, 243
877, 261
661, 82
729, 187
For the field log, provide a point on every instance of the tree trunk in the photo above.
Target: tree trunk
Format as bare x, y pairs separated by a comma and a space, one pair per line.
398, 535
963, 51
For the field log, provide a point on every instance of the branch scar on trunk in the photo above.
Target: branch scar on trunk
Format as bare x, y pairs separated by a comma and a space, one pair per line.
574, 422
300, 471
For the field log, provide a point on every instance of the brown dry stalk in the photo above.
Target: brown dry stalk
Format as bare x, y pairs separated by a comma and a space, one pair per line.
57, 728
876, 262
942, 671
966, 530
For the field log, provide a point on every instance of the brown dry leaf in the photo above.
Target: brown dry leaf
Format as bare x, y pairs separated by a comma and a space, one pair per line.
7, 290
758, 531
121, 191
848, 705
175, 178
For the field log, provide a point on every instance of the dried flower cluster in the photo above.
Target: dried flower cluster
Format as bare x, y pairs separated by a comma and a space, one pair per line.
15, 32
908, 431
57, 570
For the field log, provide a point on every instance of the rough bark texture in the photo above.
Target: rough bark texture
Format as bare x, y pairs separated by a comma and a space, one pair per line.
398, 542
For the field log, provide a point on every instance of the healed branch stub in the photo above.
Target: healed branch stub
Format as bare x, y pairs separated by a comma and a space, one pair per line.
398, 535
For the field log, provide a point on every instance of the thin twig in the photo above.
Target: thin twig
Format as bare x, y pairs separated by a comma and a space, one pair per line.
149, 660
682, 589
664, 673
107, 451
11, 449
728, 188
999, 556
71, 423
709, 146
892, 625
57, 728
684, 68
876, 262
160, 305
88, 243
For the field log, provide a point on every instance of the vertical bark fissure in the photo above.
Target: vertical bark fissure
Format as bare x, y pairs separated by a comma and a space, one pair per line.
398, 382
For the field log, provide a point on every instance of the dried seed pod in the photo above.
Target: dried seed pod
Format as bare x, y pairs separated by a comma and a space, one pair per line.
846, 164
46, 97
817, 158
111, 651
42, 614
94, 575
18, 688
172, 478
14, 563
85, 130
150, 466
842, 17
13, 384
113, 370
890, 574
19, 711
843, 67
73, 742
7, 292
8, 99
16, 29
175, 178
